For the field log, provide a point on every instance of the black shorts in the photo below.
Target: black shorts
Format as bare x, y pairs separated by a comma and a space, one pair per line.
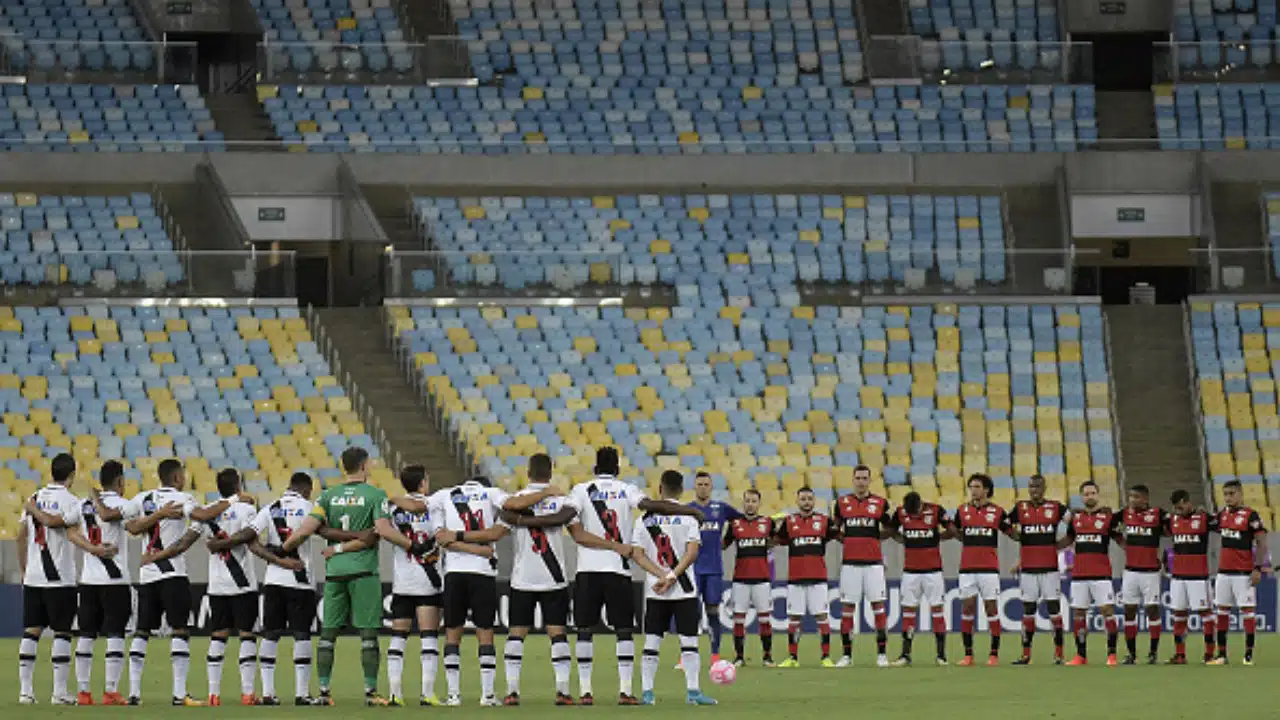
49, 607
658, 615
288, 610
105, 609
554, 604
595, 592
233, 612
405, 607
470, 594
170, 599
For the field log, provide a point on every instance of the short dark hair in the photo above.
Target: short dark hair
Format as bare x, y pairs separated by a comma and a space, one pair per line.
860, 467
353, 458
167, 469
540, 466
111, 473
607, 462
482, 480
411, 477
300, 480
751, 491
702, 473
804, 489
984, 479
1140, 489
62, 468
1232, 484
1179, 496
911, 503
1088, 483
228, 482
672, 481
1036, 476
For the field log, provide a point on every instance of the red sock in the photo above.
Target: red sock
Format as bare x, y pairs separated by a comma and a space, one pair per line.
824, 631
1210, 633
993, 625
846, 625
939, 622
1154, 627
740, 627
908, 621
1079, 626
1028, 630
1180, 634
881, 620
966, 624
793, 638
1250, 622
766, 629
1130, 629
1113, 625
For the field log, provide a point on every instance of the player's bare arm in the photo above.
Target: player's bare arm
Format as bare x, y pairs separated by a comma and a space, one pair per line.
142, 525
184, 543
209, 512
484, 551
670, 507
291, 564
1262, 562
408, 504
49, 520
559, 518
595, 542
310, 524
104, 513
22, 549
447, 538
239, 538
75, 537
524, 501
333, 534
386, 531
690, 557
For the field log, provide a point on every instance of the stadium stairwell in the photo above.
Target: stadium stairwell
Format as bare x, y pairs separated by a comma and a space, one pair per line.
359, 337
391, 205
1238, 226
241, 119
1035, 219
428, 19
1158, 435
885, 18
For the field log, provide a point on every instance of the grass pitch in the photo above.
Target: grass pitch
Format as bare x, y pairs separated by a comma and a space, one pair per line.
924, 691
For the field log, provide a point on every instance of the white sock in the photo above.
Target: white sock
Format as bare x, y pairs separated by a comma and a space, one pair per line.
395, 662
114, 663
180, 654
27, 664
453, 670
649, 662
586, 651
61, 658
560, 662
248, 664
430, 657
84, 663
267, 666
137, 661
217, 653
488, 670
301, 668
626, 663
690, 660
513, 654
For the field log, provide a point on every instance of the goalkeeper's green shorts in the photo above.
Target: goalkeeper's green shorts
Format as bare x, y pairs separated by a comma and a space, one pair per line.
354, 601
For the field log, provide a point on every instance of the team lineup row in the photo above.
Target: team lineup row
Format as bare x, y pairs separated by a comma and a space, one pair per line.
445, 569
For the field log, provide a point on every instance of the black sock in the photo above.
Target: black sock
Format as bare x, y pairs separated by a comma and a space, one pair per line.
941, 640
968, 643
1082, 644
995, 644
847, 641
766, 642
907, 639
1058, 638
738, 643
1248, 643
1222, 642
1155, 645
1132, 645
882, 640
1112, 639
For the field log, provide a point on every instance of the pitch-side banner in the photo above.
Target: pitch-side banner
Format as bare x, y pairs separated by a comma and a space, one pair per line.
1010, 609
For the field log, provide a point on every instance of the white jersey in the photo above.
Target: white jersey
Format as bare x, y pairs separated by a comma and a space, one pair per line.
106, 571
539, 554
469, 506
51, 558
277, 522
606, 508
230, 571
665, 539
414, 575
164, 533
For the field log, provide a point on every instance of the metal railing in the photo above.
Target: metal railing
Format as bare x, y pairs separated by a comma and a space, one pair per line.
440, 273
438, 60
99, 61
911, 57
1121, 478
1237, 270
158, 273
1215, 61
1198, 409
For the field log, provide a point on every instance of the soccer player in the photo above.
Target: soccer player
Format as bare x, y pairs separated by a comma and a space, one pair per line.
603, 581
979, 523
164, 592
921, 527
1141, 527
106, 600
1189, 589
861, 517
352, 586
538, 578
666, 547
1091, 531
48, 536
1035, 523
1241, 562
752, 536
709, 570
806, 534
288, 590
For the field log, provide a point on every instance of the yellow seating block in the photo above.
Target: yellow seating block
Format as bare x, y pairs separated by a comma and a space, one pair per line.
1019, 102
855, 201
347, 23
26, 199
810, 236
126, 222
474, 212
532, 93
700, 214
751, 92
688, 137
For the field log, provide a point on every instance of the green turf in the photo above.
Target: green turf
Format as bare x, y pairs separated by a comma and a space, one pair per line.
925, 691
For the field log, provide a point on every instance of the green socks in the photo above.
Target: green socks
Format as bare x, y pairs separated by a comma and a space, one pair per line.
324, 656
370, 658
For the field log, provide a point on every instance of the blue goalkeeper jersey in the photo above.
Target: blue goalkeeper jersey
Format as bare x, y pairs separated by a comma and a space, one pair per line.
715, 515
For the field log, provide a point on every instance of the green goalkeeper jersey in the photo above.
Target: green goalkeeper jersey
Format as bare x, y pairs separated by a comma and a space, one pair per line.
352, 506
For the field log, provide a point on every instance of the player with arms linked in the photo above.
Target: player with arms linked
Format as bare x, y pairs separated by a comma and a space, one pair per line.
1241, 563
861, 517
806, 534
979, 523
1091, 531
751, 536
1189, 589
1141, 527
921, 527
1035, 525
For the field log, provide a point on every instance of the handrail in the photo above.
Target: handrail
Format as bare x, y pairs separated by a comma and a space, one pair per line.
1196, 402
1121, 477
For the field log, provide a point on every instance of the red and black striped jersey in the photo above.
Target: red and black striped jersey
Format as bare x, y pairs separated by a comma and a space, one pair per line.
1091, 532
1238, 527
921, 536
860, 520
1038, 533
806, 538
1142, 530
1190, 535
980, 527
750, 537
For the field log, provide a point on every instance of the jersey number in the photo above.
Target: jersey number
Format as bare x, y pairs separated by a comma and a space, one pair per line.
471, 520
38, 537
541, 544
666, 553
611, 530
345, 522
95, 535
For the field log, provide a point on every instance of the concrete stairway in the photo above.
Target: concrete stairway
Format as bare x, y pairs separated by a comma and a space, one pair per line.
390, 203
431, 22
1127, 116
359, 339
1036, 221
241, 119
193, 211
885, 17
1237, 220
1158, 442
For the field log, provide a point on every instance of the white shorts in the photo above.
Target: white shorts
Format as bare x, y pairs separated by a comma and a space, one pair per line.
1140, 588
1235, 591
753, 596
1041, 586
810, 599
1092, 593
862, 582
1188, 594
983, 585
922, 589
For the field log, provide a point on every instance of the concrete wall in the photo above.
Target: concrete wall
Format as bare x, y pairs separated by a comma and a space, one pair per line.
313, 217
1145, 215
1109, 16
